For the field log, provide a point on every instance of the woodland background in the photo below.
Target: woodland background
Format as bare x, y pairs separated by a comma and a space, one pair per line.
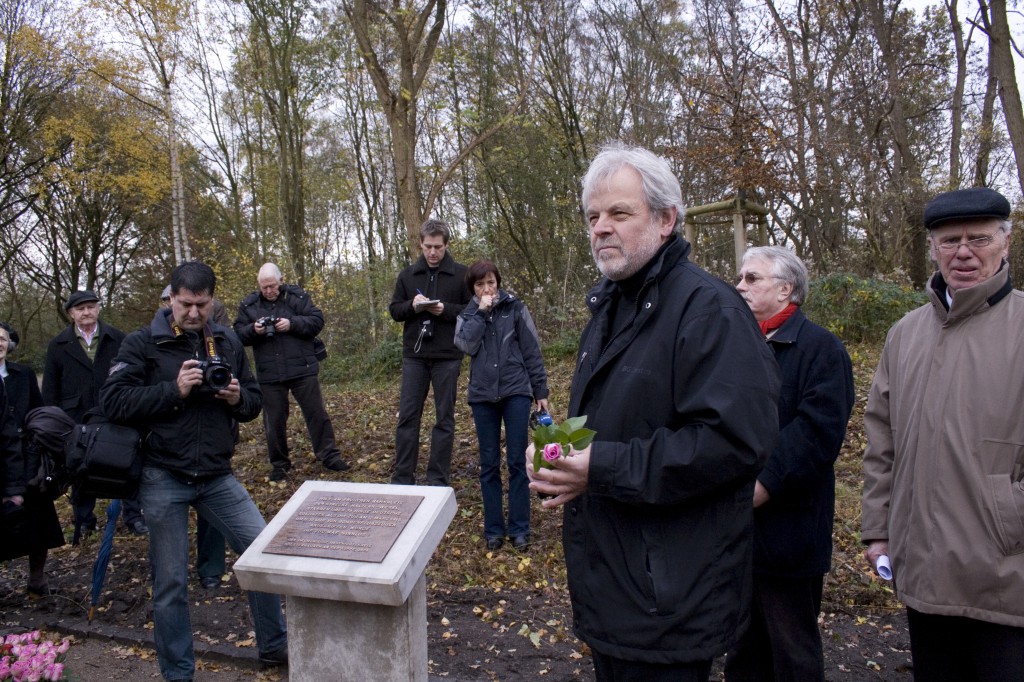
318, 134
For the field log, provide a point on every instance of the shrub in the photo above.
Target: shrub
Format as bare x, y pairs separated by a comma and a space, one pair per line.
564, 345
359, 363
857, 309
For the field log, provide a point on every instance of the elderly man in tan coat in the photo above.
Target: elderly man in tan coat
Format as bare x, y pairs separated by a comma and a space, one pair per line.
943, 497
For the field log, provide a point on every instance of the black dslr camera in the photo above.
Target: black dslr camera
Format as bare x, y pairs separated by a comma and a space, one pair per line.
268, 323
216, 373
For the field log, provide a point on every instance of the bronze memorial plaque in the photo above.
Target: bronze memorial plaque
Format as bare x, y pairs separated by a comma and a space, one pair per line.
350, 526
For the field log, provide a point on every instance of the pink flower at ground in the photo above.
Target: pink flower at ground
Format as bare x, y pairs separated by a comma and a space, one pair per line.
552, 452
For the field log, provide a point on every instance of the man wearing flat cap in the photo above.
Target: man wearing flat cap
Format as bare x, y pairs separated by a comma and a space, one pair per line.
943, 468
77, 362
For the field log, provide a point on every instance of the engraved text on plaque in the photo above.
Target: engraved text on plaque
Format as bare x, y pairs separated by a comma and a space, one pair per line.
349, 526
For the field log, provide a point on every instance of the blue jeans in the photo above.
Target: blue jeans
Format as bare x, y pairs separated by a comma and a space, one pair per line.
227, 507
417, 378
515, 411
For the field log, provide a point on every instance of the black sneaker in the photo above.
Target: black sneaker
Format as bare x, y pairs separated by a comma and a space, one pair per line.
279, 657
278, 474
337, 464
138, 527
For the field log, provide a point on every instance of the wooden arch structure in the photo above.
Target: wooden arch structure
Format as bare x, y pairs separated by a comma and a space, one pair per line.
739, 207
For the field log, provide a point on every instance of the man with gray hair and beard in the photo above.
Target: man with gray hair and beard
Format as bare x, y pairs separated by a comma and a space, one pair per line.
681, 389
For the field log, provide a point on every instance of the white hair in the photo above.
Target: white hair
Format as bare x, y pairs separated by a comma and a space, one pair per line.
270, 270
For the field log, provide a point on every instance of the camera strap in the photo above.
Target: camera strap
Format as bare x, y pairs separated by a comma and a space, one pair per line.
211, 345
419, 339
208, 339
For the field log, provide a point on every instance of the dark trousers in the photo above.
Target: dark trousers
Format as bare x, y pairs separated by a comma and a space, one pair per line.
209, 550
957, 649
610, 669
275, 419
83, 509
515, 412
783, 643
418, 376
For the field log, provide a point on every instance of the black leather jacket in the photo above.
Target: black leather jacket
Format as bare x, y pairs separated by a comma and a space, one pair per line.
192, 436
285, 355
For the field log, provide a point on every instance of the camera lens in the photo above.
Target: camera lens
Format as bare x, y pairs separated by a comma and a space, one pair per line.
218, 378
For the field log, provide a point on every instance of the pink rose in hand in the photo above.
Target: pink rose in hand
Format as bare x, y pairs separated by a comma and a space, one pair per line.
552, 452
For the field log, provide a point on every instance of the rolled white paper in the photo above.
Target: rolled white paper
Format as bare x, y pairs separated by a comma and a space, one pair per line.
883, 567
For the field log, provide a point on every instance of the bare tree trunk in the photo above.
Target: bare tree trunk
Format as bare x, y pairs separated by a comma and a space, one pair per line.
906, 167
956, 113
1001, 60
179, 236
415, 45
985, 128
411, 36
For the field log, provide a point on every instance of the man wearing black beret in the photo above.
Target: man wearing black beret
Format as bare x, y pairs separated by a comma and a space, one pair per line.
943, 468
77, 362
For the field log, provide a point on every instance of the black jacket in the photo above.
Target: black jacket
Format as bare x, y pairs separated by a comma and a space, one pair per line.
192, 437
448, 285
22, 396
505, 351
683, 399
22, 393
793, 530
12, 466
285, 355
70, 380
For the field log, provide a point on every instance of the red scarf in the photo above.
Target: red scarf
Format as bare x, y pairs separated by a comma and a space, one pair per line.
777, 320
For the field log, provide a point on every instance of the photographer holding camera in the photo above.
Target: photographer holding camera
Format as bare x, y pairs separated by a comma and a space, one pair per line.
429, 295
160, 383
280, 322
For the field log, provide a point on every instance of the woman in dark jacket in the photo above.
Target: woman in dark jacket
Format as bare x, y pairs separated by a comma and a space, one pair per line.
506, 376
39, 528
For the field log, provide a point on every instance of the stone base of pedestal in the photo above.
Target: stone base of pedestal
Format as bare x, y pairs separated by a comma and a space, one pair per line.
349, 619
342, 641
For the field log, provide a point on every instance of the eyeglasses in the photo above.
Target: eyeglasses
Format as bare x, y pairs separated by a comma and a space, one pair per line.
751, 279
953, 243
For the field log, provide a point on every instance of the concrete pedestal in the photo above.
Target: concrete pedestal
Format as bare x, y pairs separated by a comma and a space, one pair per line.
354, 620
